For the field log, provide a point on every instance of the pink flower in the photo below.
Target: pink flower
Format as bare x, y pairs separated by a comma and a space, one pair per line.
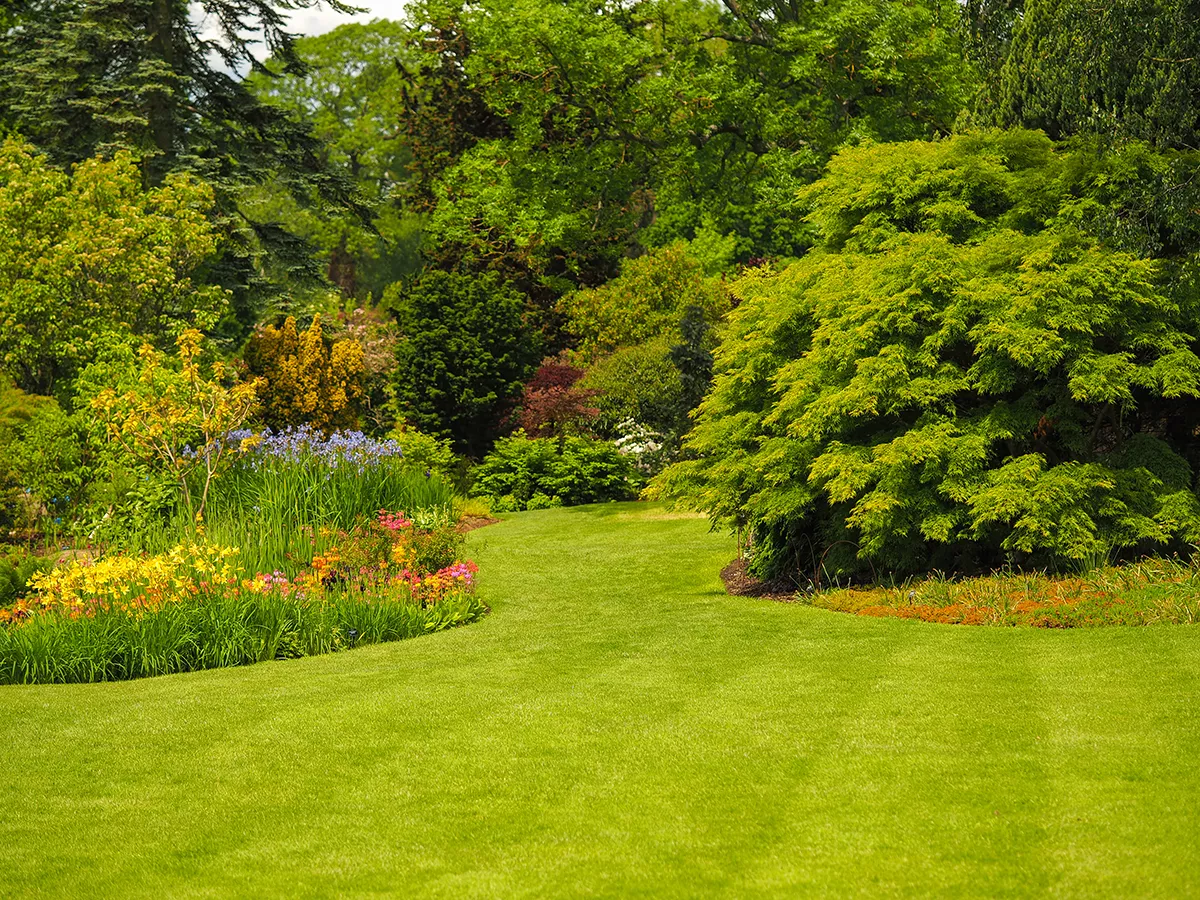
393, 521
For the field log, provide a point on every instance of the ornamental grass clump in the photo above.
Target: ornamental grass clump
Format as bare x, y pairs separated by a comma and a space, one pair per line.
200, 606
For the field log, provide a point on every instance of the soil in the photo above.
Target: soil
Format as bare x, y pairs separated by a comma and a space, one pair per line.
470, 523
740, 583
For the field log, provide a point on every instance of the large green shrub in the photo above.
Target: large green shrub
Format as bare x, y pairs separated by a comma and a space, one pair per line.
638, 383
962, 374
646, 301
527, 473
464, 354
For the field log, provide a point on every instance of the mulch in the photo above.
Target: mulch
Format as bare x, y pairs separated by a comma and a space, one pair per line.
740, 583
472, 522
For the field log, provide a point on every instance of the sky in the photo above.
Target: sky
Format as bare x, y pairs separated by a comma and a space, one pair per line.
321, 19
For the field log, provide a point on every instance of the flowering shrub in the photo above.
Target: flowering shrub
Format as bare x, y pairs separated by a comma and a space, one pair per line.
178, 419
198, 606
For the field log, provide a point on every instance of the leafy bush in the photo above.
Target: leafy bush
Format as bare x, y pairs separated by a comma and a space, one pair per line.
645, 301
17, 568
524, 473
463, 356
638, 383
176, 419
40, 455
305, 378
425, 453
962, 375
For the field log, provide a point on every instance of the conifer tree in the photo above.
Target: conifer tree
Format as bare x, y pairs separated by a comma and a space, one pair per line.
160, 78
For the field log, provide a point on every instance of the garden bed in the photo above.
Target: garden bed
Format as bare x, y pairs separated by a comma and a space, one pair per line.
740, 583
1150, 592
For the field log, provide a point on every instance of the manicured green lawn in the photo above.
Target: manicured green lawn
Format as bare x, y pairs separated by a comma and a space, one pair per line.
619, 727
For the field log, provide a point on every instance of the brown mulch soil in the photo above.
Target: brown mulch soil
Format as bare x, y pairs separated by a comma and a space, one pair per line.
740, 583
472, 522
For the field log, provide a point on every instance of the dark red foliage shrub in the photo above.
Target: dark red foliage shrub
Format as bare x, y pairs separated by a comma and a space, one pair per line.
551, 404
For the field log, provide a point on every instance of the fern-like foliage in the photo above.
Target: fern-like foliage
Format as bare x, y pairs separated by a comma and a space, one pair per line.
968, 370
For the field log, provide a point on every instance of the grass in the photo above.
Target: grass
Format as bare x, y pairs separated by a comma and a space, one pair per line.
619, 727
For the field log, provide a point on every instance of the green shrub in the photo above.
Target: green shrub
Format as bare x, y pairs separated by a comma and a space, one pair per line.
534, 473
639, 383
16, 568
426, 453
963, 374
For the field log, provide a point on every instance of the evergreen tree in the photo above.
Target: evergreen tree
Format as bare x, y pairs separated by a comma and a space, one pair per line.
158, 78
1127, 68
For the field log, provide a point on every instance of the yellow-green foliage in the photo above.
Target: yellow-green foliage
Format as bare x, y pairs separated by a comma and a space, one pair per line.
306, 379
963, 371
645, 301
178, 419
91, 253
637, 383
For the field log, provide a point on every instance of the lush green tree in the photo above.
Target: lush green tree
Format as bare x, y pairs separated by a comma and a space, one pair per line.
553, 135
647, 300
463, 356
92, 257
350, 92
1127, 68
963, 372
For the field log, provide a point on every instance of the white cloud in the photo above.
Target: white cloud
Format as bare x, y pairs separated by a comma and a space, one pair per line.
321, 19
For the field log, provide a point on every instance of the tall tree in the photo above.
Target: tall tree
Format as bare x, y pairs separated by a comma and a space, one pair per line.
158, 78
350, 91
1126, 68
554, 136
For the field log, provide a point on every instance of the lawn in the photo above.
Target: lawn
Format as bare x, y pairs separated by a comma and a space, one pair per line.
619, 727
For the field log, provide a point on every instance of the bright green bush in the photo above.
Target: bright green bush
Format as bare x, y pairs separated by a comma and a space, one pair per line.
963, 373
426, 453
638, 383
40, 456
535, 473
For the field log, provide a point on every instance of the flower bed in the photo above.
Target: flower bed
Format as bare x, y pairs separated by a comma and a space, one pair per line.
1154, 591
197, 606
